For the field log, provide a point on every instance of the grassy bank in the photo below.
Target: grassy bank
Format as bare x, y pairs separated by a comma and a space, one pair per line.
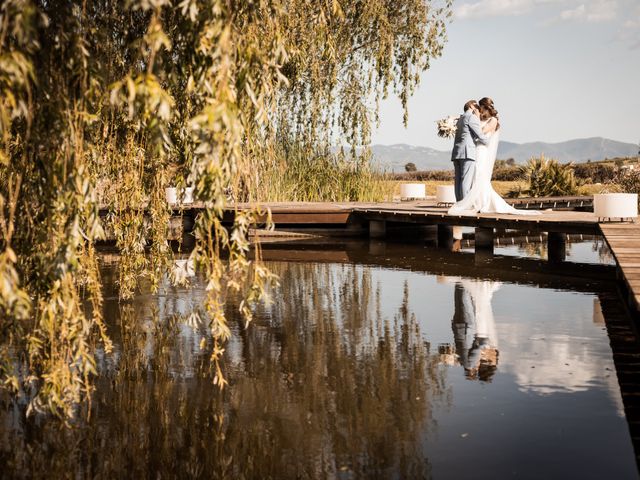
295, 173
502, 187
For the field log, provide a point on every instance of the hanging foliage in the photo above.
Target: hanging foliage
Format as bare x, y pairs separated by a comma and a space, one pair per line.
104, 104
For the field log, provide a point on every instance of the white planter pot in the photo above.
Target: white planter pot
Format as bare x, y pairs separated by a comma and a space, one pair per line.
446, 194
412, 190
188, 195
615, 205
172, 195
186, 266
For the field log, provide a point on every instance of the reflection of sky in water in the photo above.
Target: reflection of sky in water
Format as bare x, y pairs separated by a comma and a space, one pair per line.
318, 365
547, 339
555, 383
580, 248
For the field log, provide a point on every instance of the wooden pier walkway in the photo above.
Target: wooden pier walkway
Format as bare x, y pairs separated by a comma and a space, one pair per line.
287, 215
623, 238
624, 242
559, 216
430, 214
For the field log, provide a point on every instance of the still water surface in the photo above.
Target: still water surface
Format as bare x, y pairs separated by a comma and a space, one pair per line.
356, 370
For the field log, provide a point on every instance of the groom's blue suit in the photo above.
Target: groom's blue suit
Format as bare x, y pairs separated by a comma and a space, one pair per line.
463, 156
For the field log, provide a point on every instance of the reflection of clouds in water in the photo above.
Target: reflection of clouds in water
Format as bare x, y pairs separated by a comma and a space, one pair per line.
547, 346
549, 363
555, 363
542, 329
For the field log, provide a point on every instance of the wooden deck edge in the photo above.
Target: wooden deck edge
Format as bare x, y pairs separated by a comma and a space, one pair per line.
514, 222
626, 257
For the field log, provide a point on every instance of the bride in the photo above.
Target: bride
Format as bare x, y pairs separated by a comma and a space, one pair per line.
482, 198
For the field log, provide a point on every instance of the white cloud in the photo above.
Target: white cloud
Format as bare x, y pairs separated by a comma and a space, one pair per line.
593, 12
630, 31
498, 8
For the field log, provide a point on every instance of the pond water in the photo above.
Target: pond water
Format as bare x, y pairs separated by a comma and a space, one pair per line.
374, 361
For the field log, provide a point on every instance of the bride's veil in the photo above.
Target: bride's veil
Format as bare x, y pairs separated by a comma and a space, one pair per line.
492, 148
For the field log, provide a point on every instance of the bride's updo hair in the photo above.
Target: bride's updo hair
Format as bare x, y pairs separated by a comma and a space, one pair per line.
487, 110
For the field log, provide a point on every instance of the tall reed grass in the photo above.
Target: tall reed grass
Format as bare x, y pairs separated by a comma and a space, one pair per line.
294, 172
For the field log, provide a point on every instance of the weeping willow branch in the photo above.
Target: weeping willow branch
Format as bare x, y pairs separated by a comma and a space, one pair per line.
104, 104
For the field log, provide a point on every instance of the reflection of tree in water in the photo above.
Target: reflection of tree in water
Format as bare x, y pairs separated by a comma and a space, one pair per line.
321, 385
604, 252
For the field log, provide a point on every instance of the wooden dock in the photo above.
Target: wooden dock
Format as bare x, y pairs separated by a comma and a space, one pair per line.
430, 214
287, 215
623, 238
624, 242
558, 217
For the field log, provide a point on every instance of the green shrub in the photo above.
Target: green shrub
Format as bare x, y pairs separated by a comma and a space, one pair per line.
595, 172
548, 178
627, 182
506, 173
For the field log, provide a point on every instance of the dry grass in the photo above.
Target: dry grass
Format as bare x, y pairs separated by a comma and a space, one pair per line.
502, 187
591, 188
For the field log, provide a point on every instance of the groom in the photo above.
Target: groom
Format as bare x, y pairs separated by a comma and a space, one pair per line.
463, 156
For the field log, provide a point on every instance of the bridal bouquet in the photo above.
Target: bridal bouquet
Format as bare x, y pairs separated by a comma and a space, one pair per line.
447, 127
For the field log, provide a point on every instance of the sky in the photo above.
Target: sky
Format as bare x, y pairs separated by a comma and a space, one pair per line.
556, 69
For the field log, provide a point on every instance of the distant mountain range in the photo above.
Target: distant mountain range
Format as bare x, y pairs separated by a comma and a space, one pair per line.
393, 158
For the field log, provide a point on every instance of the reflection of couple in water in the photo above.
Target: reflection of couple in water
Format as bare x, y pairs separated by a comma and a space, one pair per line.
475, 340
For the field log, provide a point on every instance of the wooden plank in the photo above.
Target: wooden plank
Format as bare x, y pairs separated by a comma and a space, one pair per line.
318, 218
289, 255
513, 223
624, 242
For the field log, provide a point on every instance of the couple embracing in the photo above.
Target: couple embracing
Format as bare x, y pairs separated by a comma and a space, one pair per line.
474, 153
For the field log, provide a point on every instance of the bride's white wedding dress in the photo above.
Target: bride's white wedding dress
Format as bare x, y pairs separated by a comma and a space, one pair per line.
482, 198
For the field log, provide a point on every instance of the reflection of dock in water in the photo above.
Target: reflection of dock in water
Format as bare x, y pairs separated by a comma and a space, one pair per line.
436, 261
625, 346
564, 216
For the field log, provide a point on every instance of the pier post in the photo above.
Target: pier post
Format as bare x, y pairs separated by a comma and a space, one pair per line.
377, 228
356, 226
484, 239
556, 247
445, 236
180, 226
377, 247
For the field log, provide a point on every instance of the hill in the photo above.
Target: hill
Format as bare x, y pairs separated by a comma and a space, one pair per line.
393, 158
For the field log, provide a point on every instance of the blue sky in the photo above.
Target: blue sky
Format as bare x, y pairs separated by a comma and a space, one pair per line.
556, 69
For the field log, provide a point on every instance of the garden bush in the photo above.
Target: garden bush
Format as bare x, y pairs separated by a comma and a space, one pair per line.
548, 178
595, 172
